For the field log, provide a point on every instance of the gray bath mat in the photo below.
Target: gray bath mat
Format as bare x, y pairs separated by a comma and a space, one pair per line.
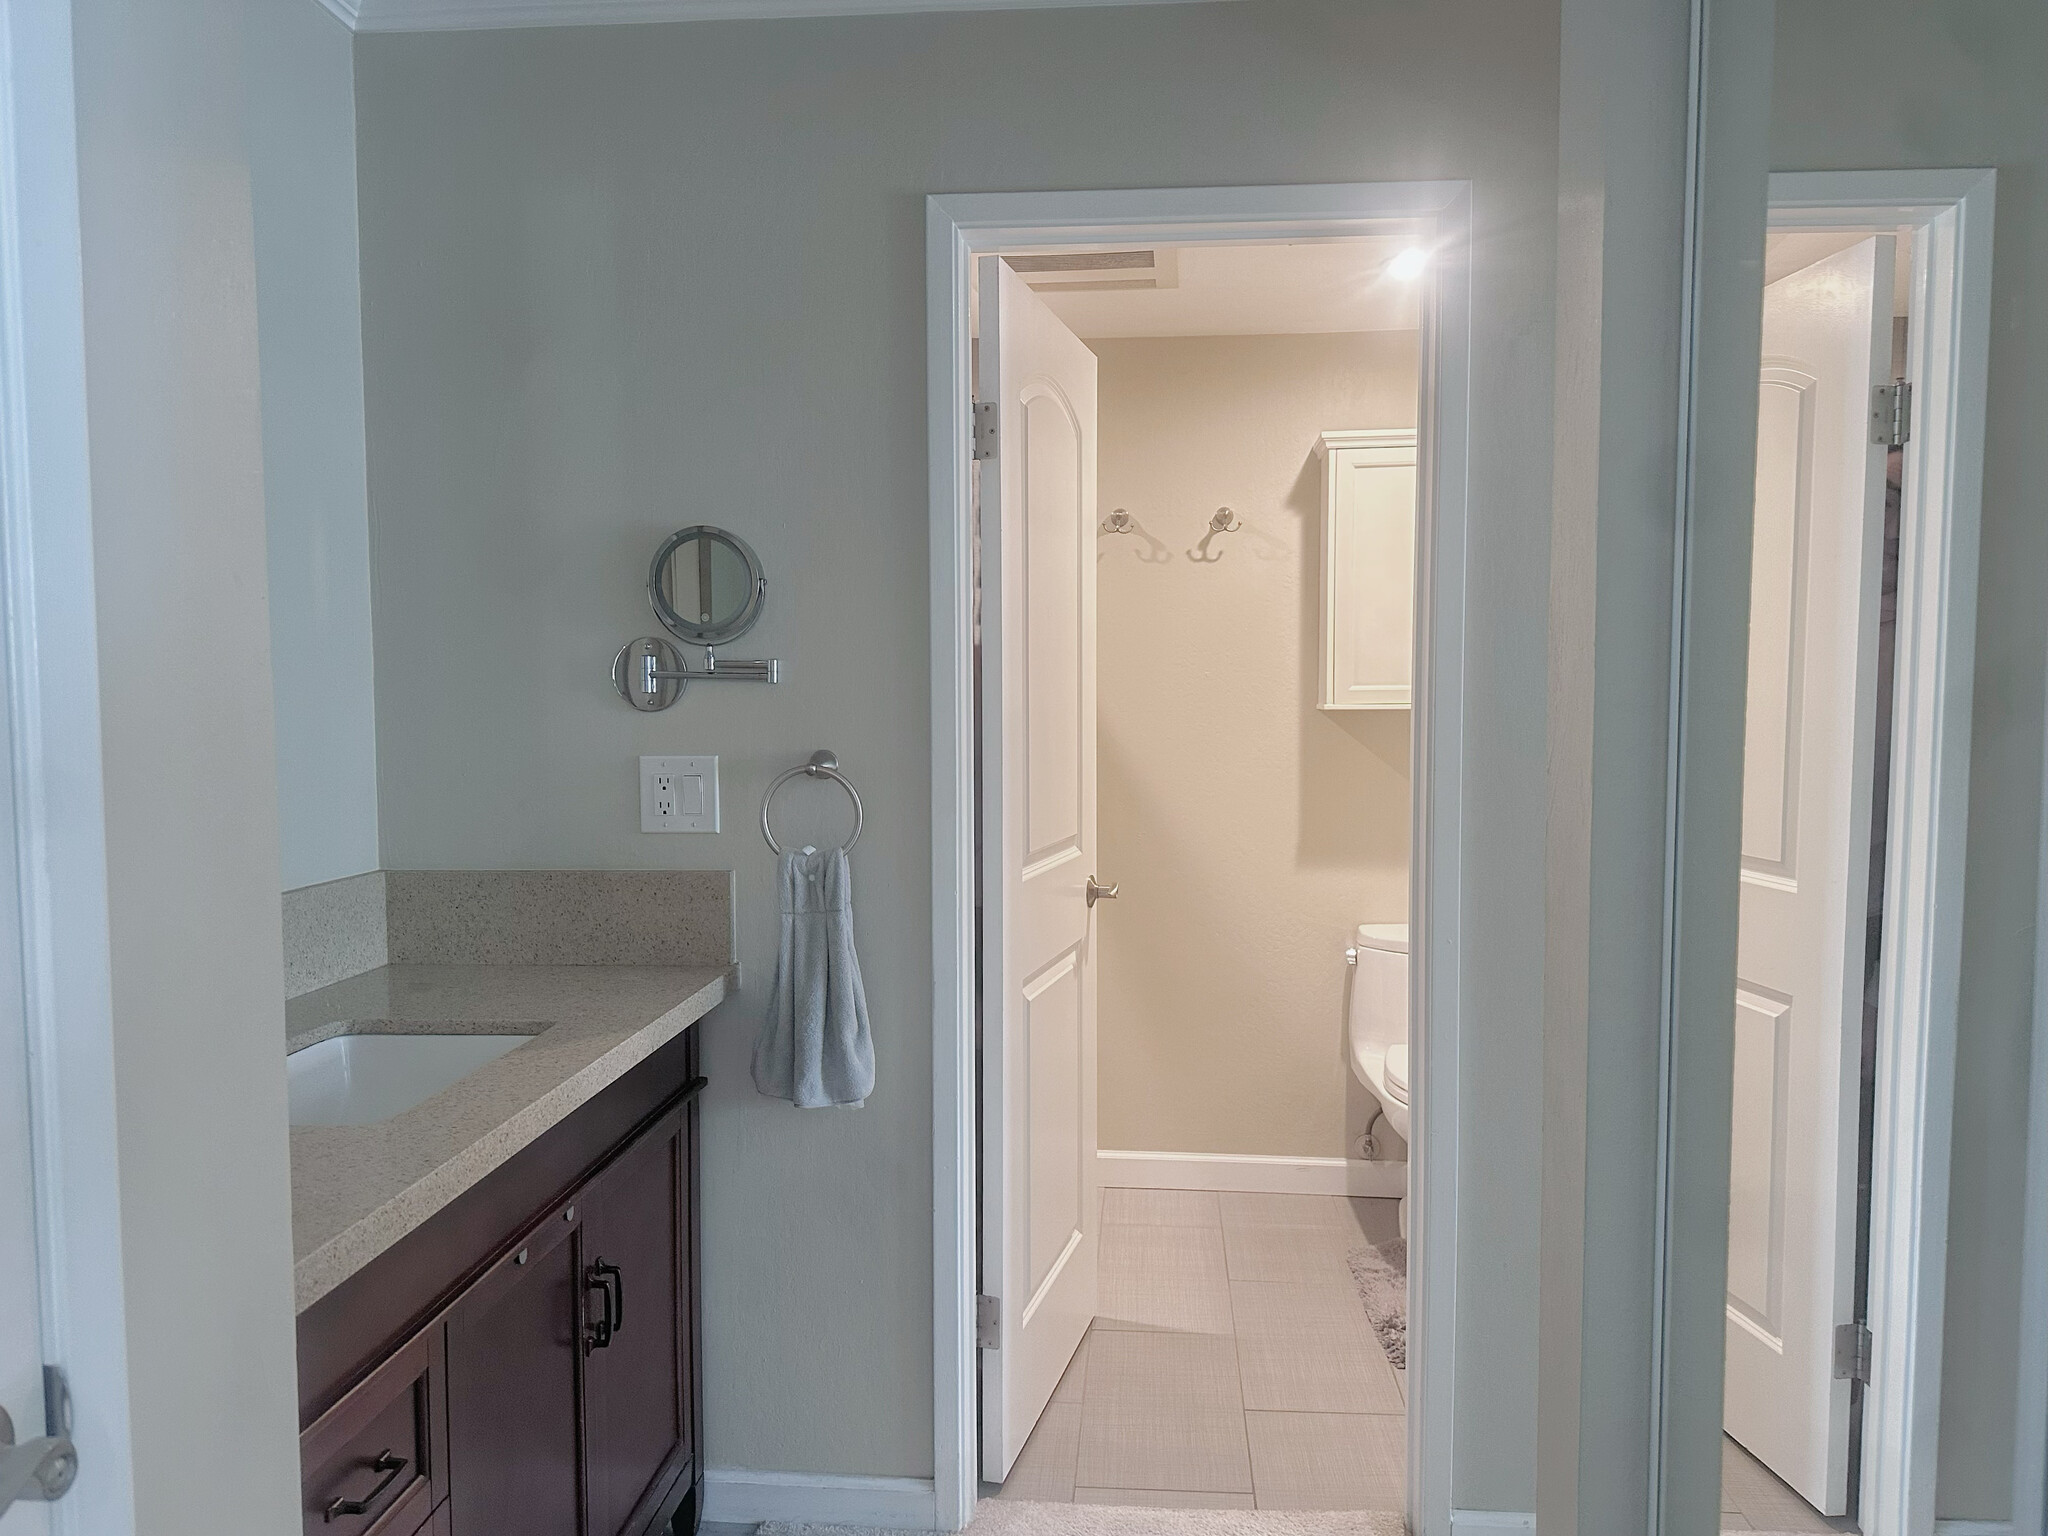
1382, 1276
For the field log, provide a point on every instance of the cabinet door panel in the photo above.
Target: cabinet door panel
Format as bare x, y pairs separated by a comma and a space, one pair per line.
513, 1390
636, 1386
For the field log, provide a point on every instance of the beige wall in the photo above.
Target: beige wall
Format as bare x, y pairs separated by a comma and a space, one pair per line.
620, 279
1249, 830
1891, 83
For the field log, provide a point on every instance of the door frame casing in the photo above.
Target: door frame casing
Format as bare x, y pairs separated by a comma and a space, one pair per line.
1950, 213
957, 229
51, 653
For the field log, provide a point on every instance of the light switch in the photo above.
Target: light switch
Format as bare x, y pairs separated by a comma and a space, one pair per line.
678, 794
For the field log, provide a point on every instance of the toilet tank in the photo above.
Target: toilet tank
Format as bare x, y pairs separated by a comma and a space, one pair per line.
1379, 990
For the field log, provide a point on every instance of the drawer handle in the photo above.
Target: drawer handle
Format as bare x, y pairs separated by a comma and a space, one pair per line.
605, 1278
387, 1462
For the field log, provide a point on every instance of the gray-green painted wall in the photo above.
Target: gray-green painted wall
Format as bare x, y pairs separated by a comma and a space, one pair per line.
1865, 83
302, 172
621, 279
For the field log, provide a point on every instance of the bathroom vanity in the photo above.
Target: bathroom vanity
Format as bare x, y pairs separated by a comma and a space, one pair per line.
495, 1191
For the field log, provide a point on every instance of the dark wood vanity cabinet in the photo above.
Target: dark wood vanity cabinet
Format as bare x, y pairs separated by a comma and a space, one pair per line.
513, 1426
554, 1390
637, 1344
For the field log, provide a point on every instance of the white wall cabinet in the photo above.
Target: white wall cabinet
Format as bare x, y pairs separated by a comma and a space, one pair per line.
1368, 631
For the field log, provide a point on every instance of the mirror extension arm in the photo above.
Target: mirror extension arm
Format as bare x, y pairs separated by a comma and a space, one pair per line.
651, 674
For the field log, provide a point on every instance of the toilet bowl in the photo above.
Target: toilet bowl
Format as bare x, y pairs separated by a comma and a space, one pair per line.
1377, 1022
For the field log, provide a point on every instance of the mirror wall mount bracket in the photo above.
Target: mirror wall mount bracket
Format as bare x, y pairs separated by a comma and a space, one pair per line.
651, 674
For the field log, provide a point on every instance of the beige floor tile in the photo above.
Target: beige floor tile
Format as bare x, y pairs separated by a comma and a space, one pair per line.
1163, 1411
1161, 1208
1291, 1255
1076, 1373
1163, 1498
1328, 1460
1765, 1501
1331, 1211
1045, 1467
1731, 1521
1164, 1278
1307, 1349
1378, 1221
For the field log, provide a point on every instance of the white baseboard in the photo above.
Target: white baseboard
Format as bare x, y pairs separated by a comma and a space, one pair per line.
1973, 1528
738, 1496
1247, 1173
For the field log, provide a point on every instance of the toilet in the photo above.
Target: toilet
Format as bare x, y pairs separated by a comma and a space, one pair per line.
1377, 1025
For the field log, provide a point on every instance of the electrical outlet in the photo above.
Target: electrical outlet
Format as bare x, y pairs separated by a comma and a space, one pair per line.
678, 794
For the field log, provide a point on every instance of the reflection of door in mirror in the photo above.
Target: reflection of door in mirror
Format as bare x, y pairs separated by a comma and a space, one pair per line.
707, 585
707, 581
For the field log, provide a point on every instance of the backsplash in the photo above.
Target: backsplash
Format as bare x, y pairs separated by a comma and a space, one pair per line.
333, 931
506, 917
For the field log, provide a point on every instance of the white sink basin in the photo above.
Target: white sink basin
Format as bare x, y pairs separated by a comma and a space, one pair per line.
361, 1079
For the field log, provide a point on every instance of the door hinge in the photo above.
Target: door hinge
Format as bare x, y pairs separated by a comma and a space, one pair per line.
1891, 414
984, 430
988, 1322
1852, 1352
44, 1468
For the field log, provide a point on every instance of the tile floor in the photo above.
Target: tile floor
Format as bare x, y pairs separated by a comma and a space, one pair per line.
1753, 1499
1230, 1366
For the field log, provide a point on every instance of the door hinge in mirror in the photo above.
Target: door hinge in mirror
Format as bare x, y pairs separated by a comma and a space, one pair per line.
1853, 1345
988, 1322
984, 430
1891, 414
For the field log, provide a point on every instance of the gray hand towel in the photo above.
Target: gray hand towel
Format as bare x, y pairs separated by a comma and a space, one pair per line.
815, 1047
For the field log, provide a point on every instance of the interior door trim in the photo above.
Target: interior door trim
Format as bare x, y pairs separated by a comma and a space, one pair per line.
957, 229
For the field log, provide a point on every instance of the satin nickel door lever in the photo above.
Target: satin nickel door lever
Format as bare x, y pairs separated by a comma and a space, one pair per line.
1100, 892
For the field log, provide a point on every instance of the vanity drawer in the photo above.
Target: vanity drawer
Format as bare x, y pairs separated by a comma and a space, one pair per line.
374, 1463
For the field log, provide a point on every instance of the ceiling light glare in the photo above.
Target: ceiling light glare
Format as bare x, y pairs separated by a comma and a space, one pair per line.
1409, 263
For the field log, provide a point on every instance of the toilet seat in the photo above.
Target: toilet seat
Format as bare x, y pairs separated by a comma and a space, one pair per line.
1395, 1068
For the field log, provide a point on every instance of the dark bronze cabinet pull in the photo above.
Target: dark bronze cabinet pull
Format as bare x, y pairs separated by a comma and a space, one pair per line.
606, 1279
390, 1465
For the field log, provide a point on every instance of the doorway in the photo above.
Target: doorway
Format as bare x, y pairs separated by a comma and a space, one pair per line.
1862, 603
1056, 1286
1243, 585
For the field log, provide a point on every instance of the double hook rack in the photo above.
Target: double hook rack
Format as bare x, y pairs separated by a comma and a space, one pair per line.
1222, 520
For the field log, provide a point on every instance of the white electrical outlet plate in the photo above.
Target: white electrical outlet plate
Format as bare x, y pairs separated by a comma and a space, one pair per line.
678, 794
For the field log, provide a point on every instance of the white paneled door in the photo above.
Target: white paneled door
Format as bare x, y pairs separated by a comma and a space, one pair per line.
1805, 866
1038, 1195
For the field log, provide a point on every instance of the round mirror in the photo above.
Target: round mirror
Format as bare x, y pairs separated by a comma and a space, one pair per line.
706, 585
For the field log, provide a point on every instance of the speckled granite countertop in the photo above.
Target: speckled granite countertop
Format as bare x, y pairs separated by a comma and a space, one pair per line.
357, 1189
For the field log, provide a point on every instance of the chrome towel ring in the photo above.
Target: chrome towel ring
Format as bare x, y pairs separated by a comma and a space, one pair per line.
823, 765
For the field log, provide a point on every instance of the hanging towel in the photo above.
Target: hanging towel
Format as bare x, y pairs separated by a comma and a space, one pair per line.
815, 1047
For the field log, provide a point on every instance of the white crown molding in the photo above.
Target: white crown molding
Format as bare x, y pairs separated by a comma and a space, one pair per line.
476, 15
